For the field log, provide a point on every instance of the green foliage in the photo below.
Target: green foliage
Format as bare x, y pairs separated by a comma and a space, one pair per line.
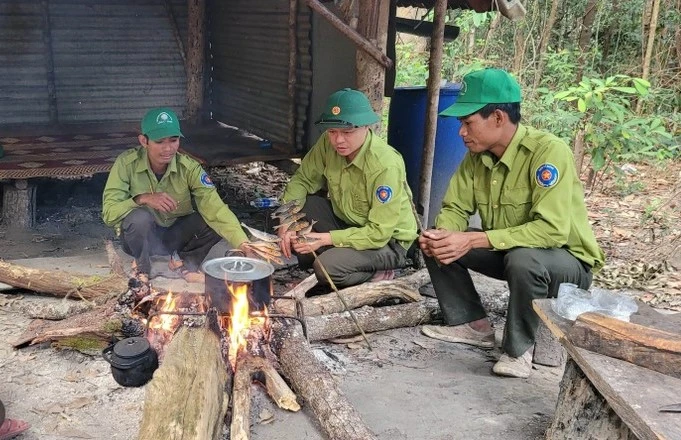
412, 65
613, 132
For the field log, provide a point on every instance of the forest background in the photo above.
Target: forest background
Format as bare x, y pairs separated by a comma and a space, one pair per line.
605, 76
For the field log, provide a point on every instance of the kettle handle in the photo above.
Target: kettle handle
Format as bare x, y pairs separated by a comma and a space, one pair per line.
107, 352
235, 252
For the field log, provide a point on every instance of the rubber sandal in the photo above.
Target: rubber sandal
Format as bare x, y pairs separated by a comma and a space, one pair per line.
11, 428
189, 276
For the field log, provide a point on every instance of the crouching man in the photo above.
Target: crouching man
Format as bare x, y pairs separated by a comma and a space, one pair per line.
535, 231
162, 202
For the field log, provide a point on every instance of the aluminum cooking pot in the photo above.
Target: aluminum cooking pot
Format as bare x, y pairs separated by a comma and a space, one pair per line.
132, 360
257, 274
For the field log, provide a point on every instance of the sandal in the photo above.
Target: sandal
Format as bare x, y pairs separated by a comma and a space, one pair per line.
177, 265
10, 428
142, 277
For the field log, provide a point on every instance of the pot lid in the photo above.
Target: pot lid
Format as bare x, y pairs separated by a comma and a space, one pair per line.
131, 347
237, 268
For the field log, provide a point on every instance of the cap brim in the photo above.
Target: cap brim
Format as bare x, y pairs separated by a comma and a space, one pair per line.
461, 109
155, 135
330, 123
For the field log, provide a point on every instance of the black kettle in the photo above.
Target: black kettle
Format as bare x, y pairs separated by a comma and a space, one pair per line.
132, 360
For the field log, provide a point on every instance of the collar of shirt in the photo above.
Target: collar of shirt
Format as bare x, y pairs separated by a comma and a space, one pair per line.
511, 151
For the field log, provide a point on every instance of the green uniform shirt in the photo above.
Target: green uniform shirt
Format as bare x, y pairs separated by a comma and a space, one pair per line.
184, 180
369, 193
531, 197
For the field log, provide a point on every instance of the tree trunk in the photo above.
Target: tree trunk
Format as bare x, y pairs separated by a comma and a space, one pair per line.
313, 381
544, 42
196, 49
63, 284
648, 54
18, 204
404, 289
585, 32
493, 26
519, 45
372, 319
187, 397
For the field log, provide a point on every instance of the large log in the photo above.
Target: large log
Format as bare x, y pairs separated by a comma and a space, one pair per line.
404, 289
62, 284
313, 381
187, 397
655, 349
372, 319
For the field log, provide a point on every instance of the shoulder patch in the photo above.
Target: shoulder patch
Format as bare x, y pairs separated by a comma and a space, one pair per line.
547, 175
205, 180
384, 193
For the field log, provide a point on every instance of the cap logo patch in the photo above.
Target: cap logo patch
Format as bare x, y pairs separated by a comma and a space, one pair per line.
335, 110
205, 180
384, 193
464, 86
547, 175
164, 118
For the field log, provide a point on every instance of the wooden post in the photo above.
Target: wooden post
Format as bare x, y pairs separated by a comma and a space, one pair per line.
292, 70
49, 62
349, 32
18, 204
196, 47
434, 77
370, 74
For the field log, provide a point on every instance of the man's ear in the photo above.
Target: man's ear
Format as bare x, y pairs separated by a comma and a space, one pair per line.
144, 141
500, 117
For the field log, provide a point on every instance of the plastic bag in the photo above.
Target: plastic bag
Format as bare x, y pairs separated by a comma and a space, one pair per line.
573, 301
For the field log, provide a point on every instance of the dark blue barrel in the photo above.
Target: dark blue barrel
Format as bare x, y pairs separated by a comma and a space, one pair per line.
406, 123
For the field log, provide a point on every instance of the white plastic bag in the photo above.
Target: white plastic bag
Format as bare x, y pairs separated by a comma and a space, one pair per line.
573, 301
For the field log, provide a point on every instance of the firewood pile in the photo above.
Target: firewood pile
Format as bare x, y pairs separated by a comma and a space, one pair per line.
209, 361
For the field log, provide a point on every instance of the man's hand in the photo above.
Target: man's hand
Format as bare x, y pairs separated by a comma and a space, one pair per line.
311, 242
159, 201
286, 238
449, 246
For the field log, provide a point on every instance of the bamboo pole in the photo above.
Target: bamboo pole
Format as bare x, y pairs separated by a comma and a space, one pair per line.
352, 34
434, 77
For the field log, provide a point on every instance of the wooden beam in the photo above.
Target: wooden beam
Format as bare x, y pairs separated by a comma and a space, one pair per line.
352, 34
373, 26
49, 63
292, 71
196, 48
430, 130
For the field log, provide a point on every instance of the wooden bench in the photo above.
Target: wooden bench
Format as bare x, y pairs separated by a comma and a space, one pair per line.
606, 398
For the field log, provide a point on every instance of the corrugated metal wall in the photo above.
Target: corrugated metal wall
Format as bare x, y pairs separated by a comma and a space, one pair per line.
23, 74
250, 59
112, 59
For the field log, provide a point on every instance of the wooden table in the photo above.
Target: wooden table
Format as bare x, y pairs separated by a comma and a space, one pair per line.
606, 398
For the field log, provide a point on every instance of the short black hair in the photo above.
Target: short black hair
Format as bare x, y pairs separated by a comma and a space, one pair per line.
512, 109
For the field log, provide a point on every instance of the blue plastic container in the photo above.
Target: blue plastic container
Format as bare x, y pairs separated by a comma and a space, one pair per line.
406, 124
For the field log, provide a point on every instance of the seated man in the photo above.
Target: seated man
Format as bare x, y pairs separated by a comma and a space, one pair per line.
536, 234
365, 225
161, 201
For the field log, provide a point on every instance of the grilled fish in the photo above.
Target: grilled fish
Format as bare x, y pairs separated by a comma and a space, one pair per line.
288, 221
288, 208
261, 235
308, 228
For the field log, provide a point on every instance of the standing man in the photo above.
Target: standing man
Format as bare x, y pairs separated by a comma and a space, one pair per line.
365, 223
535, 230
161, 201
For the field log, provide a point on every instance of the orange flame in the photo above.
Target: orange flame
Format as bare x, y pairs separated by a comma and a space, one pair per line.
162, 321
241, 320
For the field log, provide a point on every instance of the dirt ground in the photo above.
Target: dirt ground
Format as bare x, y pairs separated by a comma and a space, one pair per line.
408, 387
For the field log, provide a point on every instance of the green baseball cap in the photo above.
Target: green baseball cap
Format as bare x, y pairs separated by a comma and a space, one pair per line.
347, 108
482, 87
160, 123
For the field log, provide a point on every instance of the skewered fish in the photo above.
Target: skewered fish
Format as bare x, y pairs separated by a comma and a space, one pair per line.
261, 235
288, 208
308, 228
288, 221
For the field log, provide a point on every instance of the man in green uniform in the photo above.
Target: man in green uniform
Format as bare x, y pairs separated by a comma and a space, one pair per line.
365, 224
535, 231
161, 201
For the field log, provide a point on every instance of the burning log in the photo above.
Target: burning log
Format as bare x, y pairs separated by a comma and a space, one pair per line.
241, 400
372, 319
404, 289
314, 382
62, 284
187, 397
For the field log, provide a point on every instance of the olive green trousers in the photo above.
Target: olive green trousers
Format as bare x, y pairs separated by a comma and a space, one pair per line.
530, 274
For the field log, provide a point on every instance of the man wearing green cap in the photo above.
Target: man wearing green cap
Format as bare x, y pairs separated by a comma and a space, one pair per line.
364, 225
150, 195
535, 230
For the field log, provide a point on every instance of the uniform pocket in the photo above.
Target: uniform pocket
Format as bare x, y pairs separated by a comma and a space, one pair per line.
516, 205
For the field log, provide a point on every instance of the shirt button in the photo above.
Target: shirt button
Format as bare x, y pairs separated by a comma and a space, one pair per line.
502, 244
495, 206
494, 182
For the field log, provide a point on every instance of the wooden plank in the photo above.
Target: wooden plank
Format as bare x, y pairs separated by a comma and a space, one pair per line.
645, 346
